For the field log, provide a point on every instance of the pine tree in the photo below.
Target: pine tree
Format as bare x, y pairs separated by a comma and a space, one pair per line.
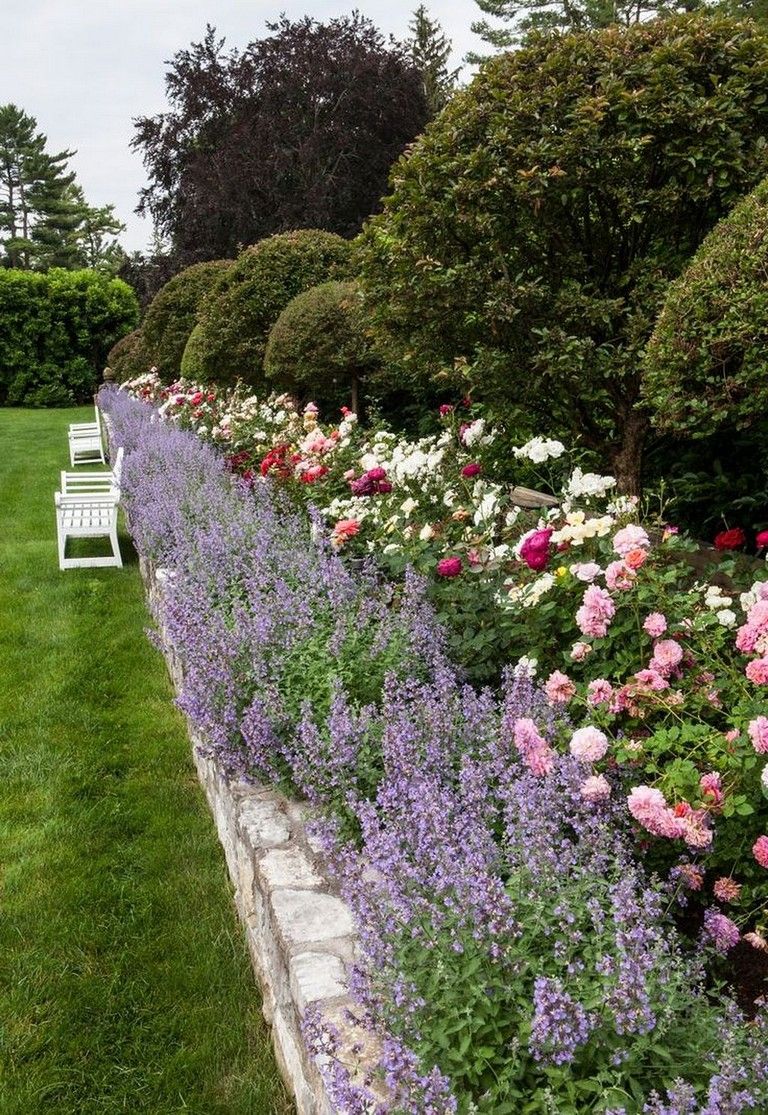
45, 220
33, 190
518, 17
430, 51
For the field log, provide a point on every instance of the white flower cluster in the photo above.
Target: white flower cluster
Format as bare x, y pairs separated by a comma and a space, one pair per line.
717, 601
588, 485
538, 449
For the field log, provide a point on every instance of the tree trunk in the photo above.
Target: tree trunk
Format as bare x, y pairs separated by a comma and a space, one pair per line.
627, 456
355, 401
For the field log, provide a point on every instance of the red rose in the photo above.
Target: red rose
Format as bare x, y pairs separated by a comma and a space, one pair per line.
449, 567
473, 469
762, 539
730, 539
535, 550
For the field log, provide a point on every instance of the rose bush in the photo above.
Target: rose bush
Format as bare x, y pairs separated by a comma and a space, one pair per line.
662, 670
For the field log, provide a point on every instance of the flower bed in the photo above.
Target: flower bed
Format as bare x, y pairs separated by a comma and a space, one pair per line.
517, 955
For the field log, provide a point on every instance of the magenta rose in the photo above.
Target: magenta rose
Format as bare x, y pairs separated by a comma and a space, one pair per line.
473, 469
449, 567
535, 550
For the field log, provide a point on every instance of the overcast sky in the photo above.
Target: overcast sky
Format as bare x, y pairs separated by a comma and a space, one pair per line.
85, 68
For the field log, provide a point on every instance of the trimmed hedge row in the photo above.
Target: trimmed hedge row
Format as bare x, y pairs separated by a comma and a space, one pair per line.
55, 331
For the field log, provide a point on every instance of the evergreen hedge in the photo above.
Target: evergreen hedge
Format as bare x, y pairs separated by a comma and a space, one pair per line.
56, 329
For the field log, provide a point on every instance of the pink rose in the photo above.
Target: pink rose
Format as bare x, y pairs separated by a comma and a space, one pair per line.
712, 789
559, 688
618, 576
757, 671
726, 889
761, 539
449, 567
534, 749
667, 654
651, 681
595, 788
599, 692
585, 571
655, 625
596, 612
760, 850
630, 538
579, 651
758, 733
588, 745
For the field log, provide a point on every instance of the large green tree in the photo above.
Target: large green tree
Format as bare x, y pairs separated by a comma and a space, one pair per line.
534, 228
45, 220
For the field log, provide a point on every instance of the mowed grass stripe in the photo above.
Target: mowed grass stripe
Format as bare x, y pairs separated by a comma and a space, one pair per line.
124, 981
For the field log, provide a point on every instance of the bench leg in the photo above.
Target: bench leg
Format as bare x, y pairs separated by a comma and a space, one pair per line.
116, 547
62, 542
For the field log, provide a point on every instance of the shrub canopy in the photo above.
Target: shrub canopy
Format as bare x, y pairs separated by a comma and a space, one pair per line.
55, 331
129, 357
533, 229
321, 346
172, 315
707, 361
236, 318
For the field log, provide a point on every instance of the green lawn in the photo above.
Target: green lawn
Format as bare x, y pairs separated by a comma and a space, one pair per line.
124, 981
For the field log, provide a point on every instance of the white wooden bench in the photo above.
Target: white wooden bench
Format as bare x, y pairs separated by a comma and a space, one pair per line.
84, 483
85, 442
87, 516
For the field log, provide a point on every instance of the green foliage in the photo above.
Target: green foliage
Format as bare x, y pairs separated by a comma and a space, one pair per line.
707, 361
172, 314
192, 369
55, 332
533, 229
129, 358
320, 345
236, 318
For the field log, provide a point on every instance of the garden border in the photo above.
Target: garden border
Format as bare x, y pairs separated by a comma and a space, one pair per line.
299, 932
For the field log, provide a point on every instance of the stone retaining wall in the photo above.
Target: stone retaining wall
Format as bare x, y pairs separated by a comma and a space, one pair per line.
299, 932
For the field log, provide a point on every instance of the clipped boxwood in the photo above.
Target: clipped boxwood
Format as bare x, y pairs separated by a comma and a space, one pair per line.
55, 331
707, 360
172, 315
321, 346
236, 318
129, 357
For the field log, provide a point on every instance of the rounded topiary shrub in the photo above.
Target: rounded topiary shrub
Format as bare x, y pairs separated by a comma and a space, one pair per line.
707, 361
172, 314
129, 357
532, 231
236, 319
320, 346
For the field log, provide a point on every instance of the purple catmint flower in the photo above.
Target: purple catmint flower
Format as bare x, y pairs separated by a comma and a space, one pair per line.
560, 1025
